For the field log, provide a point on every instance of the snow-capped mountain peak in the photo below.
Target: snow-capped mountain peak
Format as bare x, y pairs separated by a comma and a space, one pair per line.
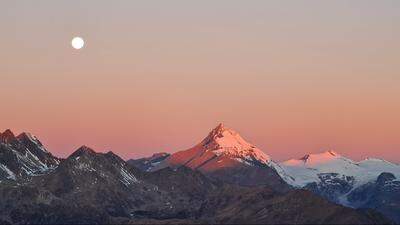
309, 168
225, 155
224, 141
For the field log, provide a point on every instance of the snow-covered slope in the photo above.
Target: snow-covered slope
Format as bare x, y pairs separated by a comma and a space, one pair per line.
310, 168
227, 142
371, 183
221, 147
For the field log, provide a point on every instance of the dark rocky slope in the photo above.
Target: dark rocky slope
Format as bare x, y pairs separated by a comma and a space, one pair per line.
101, 188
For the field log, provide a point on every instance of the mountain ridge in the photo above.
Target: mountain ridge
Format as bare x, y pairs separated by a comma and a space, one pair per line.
328, 173
190, 190
23, 156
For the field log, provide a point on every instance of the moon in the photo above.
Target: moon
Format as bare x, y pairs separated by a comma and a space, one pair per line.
77, 43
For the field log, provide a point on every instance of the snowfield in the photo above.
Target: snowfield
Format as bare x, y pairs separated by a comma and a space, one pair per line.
307, 169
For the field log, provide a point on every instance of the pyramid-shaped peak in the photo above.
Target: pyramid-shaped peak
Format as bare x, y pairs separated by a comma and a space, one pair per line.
8, 133
221, 131
83, 150
225, 141
25, 136
112, 155
218, 130
7, 136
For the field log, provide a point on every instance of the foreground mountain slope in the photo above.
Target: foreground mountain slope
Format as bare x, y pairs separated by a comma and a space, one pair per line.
226, 156
263, 206
87, 187
218, 202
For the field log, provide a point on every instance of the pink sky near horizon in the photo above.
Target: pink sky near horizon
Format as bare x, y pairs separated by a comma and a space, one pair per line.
291, 77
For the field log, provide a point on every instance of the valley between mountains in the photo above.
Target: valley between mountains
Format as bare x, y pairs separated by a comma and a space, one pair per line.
221, 180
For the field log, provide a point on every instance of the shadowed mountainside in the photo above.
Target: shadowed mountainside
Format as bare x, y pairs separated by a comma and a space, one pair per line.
101, 188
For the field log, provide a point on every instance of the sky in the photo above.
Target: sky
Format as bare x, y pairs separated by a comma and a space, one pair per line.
292, 77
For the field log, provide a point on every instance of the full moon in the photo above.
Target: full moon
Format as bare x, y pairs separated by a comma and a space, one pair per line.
77, 43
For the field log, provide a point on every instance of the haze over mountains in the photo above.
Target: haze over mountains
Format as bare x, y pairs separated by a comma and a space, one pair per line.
223, 179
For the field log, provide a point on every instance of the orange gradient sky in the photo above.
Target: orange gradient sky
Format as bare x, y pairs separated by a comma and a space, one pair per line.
293, 77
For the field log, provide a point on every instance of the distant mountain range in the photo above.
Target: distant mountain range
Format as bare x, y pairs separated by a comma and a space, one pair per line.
371, 183
224, 154
223, 179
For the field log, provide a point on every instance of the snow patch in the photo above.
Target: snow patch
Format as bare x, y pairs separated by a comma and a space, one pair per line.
10, 174
31, 164
85, 167
127, 178
35, 140
230, 143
